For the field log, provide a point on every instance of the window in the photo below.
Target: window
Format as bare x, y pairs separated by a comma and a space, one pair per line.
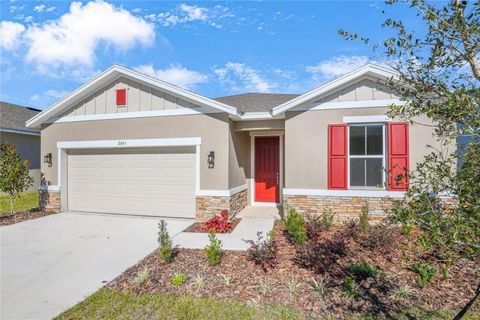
366, 155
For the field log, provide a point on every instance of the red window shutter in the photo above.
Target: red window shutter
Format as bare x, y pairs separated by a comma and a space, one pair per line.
337, 157
121, 97
397, 155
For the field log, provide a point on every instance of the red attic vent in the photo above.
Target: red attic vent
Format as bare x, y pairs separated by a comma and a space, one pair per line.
121, 97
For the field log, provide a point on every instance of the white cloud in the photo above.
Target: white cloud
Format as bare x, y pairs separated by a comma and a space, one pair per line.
336, 66
71, 40
185, 13
42, 7
10, 34
241, 77
55, 93
175, 74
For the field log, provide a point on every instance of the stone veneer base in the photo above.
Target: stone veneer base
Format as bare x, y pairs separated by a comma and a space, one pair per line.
208, 206
49, 200
344, 207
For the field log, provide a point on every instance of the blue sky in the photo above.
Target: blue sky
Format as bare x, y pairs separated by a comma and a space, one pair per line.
213, 48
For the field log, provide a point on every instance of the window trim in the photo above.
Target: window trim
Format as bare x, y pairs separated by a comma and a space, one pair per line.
383, 156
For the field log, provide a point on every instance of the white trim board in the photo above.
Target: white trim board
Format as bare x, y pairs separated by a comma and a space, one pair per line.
365, 119
129, 143
221, 193
344, 193
19, 131
349, 105
50, 187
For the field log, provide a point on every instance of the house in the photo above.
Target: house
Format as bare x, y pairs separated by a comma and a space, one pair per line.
26, 140
126, 143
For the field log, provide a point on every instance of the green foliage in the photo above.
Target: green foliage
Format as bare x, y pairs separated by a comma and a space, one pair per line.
265, 286
295, 226
350, 287
14, 175
292, 285
227, 280
363, 270
166, 250
402, 293
363, 219
425, 273
199, 283
143, 276
179, 279
26, 202
319, 287
213, 251
328, 217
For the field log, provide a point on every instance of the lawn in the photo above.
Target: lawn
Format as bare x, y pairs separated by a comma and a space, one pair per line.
25, 202
114, 304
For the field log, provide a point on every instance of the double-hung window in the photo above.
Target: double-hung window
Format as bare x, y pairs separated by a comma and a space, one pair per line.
366, 155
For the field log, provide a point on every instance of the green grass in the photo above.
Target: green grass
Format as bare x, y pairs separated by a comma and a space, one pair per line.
25, 202
113, 304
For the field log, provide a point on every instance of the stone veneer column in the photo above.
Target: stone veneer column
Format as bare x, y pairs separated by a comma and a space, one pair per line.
49, 200
208, 206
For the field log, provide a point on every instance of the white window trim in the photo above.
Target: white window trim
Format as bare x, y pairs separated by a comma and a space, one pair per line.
365, 119
253, 135
384, 156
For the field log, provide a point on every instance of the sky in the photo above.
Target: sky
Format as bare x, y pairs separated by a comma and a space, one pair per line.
213, 48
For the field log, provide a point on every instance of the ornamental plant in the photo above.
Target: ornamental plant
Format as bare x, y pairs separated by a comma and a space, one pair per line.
263, 251
166, 249
14, 175
219, 223
213, 251
295, 226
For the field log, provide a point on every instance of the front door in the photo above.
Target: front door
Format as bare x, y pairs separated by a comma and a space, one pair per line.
267, 172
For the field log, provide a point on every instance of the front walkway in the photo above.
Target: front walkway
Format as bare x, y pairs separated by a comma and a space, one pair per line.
254, 219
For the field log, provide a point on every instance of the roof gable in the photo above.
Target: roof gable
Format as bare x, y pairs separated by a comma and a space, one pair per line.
112, 74
369, 70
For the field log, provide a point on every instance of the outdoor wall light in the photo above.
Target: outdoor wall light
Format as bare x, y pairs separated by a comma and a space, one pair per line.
48, 159
211, 160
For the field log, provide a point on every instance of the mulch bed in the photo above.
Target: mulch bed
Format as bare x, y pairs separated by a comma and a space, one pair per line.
17, 217
376, 296
199, 227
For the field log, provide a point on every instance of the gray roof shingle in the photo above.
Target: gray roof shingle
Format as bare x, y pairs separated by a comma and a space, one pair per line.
256, 102
13, 116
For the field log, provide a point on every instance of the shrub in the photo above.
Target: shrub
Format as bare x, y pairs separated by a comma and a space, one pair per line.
381, 238
265, 287
350, 287
328, 216
314, 226
402, 292
364, 224
295, 226
143, 276
319, 287
292, 285
213, 251
199, 282
179, 279
321, 254
362, 270
263, 251
227, 280
425, 273
166, 250
219, 223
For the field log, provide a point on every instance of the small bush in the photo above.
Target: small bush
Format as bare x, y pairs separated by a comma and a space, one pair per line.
402, 293
295, 226
143, 276
381, 238
328, 217
321, 254
350, 287
425, 273
219, 223
364, 223
292, 285
213, 251
263, 251
166, 250
179, 279
227, 280
199, 283
363, 270
265, 287
314, 226
319, 287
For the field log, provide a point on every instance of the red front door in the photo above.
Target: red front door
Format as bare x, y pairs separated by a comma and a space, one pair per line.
267, 173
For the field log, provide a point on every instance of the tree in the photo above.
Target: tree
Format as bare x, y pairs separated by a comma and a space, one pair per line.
439, 77
14, 175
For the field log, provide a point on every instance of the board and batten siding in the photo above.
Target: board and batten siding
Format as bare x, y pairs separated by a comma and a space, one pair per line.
364, 89
139, 98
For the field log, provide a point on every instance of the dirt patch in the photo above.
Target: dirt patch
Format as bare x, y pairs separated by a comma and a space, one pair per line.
290, 284
17, 217
199, 227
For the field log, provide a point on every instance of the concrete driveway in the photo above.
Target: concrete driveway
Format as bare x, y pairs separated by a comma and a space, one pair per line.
52, 263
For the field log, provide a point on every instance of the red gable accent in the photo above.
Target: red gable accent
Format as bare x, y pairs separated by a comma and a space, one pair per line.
121, 97
397, 155
337, 157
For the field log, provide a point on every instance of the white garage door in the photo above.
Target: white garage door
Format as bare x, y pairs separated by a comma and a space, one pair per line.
157, 182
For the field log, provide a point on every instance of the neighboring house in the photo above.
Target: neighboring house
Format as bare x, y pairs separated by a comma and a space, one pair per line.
26, 140
127, 143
